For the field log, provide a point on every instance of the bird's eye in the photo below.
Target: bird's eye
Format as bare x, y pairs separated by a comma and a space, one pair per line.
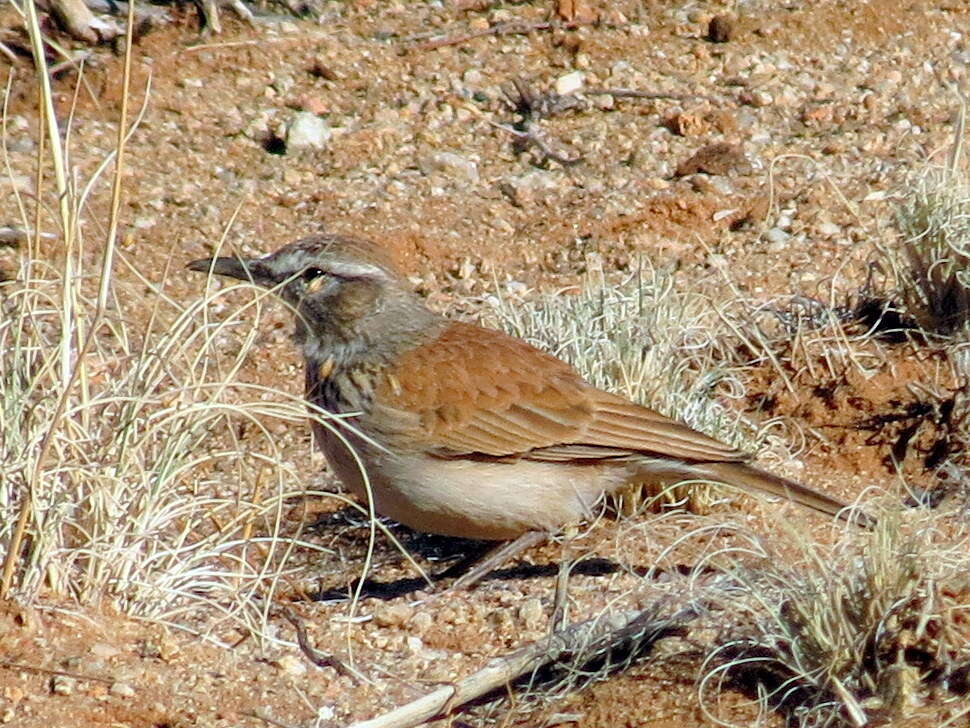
311, 273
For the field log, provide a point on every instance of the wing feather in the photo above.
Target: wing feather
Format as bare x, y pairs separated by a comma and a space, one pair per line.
478, 391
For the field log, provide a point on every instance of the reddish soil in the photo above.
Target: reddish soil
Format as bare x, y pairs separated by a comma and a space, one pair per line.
832, 103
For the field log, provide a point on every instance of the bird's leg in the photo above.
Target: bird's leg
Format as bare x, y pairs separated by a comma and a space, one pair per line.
498, 556
561, 602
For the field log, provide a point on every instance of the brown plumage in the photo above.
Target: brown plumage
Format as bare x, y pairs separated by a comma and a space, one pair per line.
468, 431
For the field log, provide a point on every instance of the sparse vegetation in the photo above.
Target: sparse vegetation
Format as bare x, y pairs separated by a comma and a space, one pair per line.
143, 473
116, 437
932, 264
864, 631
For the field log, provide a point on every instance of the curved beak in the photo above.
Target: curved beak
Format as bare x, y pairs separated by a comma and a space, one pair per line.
253, 271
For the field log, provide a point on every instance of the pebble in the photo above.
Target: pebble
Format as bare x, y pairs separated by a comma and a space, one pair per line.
394, 615
104, 651
290, 664
719, 158
777, 238
307, 131
421, 621
829, 229
63, 685
454, 165
473, 77
720, 29
530, 187
532, 613
122, 690
570, 83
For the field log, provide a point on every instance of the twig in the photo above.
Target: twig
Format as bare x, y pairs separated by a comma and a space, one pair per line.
60, 673
75, 61
318, 658
507, 28
264, 716
629, 93
578, 643
536, 136
11, 56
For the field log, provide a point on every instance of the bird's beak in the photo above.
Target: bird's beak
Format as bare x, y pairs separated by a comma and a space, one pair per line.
253, 271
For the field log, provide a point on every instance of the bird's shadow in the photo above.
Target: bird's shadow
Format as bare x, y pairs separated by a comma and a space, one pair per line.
461, 554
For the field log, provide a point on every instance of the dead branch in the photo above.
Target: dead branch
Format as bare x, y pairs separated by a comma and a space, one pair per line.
629, 93
538, 137
577, 644
56, 673
153, 16
75, 18
318, 658
508, 28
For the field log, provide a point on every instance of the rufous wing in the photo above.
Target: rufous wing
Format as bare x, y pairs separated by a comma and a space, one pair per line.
480, 392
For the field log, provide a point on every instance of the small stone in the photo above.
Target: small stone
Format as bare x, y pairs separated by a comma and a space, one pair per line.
777, 239
104, 651
757, 99
421, 621
478, 24
291, 665
532, 613
122, 690
719, 158
473, 77
570, 83
307, 131
530, 187
829, 229
686, 124
394, 615
604, 102
63, 685
321, 69
454, 165
414, 645
720, 29
313, 104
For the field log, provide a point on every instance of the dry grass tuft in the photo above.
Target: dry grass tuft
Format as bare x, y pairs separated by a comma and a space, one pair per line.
866, 632
137, 469
932, 264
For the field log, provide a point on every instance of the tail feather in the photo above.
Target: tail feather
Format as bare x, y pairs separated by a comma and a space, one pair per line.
753, 480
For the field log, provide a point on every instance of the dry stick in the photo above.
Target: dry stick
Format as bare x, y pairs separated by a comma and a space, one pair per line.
11, 56
316, 657
267, 718
509, 28
592, 638
534, 135
629, 93
48, 671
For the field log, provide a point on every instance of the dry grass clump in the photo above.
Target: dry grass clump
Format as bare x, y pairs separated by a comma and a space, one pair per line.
932, 263
864, 633
136, 468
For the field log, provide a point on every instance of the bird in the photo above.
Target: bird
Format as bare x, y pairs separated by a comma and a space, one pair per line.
455, 429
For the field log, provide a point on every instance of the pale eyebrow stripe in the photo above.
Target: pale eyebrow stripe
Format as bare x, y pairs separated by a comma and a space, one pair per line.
356, 270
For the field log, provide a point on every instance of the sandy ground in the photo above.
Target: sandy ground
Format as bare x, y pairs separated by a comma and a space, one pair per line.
764, 168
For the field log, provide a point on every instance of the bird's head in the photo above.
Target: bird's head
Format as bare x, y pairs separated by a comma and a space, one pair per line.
346, 293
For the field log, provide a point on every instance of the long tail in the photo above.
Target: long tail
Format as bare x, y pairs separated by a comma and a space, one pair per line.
752, 479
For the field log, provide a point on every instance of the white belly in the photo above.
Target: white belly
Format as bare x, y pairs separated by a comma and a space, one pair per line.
471, 498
